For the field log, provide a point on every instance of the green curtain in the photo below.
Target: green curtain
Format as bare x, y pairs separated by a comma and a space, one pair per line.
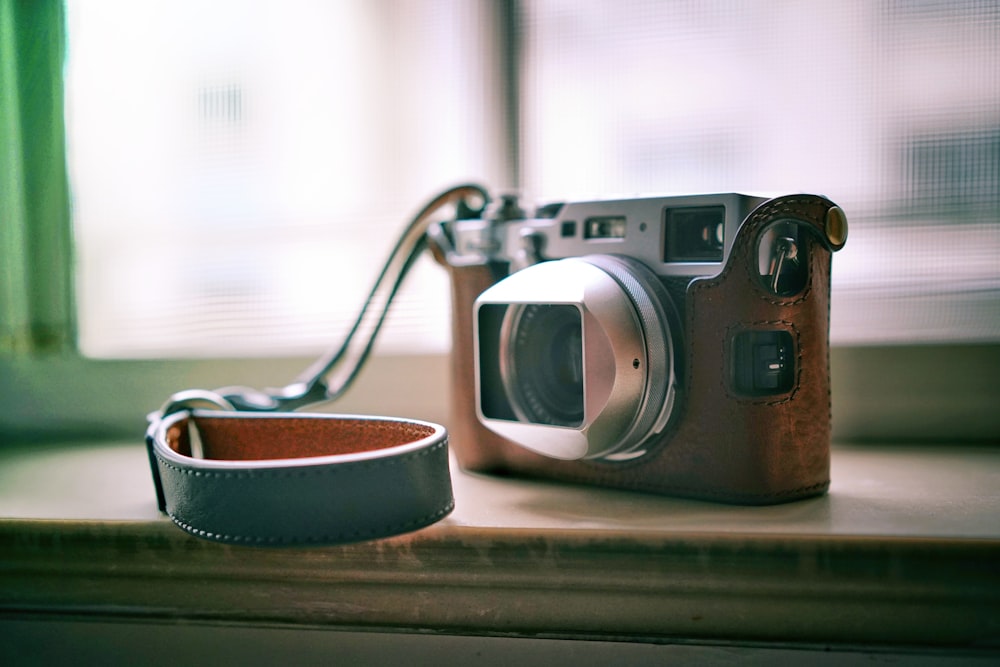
36, 294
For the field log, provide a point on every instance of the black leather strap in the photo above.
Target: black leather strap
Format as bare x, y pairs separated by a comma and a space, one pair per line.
298, 479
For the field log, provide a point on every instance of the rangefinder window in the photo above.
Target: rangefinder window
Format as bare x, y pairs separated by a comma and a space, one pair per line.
605, 227
694, 234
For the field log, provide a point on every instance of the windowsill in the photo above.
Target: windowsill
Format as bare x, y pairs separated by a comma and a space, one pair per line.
901, 552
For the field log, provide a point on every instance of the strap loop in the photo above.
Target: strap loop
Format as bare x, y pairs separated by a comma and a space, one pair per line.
330, 376
287, 479
278, 478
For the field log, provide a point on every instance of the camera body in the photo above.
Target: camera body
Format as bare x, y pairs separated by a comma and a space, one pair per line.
674, 345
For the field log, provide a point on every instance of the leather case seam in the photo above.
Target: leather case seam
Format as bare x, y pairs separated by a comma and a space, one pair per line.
747, 400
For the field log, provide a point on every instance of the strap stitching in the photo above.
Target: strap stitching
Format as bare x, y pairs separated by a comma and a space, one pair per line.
387, 530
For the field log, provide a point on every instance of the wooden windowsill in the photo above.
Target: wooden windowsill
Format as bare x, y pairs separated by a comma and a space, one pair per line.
903, 551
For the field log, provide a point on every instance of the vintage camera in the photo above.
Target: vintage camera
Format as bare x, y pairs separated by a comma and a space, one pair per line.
675, 345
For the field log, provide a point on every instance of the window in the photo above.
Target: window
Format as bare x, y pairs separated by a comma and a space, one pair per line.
239, 169
892, 109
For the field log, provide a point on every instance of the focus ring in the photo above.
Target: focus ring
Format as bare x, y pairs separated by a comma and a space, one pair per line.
650, 300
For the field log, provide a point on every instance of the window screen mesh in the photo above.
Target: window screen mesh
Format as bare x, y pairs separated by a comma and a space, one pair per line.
892, 109
240, 169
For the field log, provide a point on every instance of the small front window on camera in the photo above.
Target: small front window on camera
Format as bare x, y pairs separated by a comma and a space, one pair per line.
694, 234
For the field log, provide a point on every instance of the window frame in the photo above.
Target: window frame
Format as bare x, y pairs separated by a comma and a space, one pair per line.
37, 305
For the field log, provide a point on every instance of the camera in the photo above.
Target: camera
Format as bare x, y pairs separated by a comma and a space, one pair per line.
676, 345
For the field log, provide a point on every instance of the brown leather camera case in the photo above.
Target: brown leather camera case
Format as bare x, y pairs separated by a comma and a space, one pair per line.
722, 446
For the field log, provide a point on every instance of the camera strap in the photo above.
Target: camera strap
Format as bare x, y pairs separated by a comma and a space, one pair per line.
238, 465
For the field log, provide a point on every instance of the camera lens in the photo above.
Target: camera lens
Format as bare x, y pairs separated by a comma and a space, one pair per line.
542, 363
575, 357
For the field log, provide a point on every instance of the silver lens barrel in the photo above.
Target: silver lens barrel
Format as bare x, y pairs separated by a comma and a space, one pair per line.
584, 355
654, 309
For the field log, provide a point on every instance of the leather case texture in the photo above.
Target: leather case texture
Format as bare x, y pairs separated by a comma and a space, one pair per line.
722, 446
